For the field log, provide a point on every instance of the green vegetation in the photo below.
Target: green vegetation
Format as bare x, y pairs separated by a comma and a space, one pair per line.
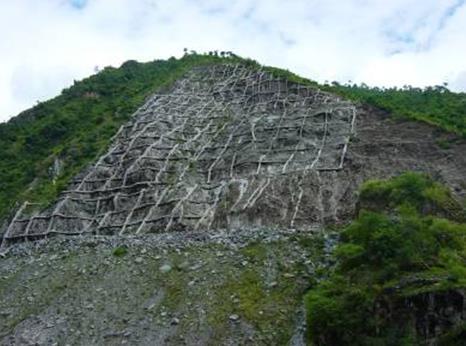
405, 241
411, 189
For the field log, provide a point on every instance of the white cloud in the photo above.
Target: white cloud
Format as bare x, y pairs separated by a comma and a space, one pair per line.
459, 83
44, 45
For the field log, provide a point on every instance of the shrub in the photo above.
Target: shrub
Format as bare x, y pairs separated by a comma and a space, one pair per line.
416, 190
398, 239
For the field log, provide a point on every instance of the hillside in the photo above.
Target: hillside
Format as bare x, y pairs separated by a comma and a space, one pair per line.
200, 200
43, 147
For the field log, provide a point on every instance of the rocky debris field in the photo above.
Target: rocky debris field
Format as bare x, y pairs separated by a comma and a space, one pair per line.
194, 288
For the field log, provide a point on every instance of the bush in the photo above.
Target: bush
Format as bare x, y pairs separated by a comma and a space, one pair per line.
379, 250
416, 190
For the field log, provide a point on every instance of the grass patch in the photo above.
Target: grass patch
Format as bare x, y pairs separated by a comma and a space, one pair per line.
255, 252
120, 251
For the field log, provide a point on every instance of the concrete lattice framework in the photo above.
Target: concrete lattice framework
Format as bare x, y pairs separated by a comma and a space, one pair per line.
213, 146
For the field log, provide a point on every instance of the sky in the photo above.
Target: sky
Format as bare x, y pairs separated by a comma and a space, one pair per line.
47, 44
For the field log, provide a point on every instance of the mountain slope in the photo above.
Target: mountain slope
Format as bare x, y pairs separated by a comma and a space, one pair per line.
43, 147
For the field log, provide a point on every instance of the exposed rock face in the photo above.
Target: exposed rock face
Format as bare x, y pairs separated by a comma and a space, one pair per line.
228, 146
429, 315
437, 313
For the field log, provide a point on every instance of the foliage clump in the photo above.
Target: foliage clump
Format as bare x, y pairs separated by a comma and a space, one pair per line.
397, 242
410, 189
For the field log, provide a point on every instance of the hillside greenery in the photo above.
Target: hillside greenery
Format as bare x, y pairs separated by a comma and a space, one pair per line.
434, 105
409, 238
76, 127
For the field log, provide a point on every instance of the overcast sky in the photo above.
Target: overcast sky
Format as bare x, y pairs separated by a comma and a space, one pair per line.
46, 44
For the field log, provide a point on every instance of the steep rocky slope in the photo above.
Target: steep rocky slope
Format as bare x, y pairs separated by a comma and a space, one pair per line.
221, 189
226, 146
